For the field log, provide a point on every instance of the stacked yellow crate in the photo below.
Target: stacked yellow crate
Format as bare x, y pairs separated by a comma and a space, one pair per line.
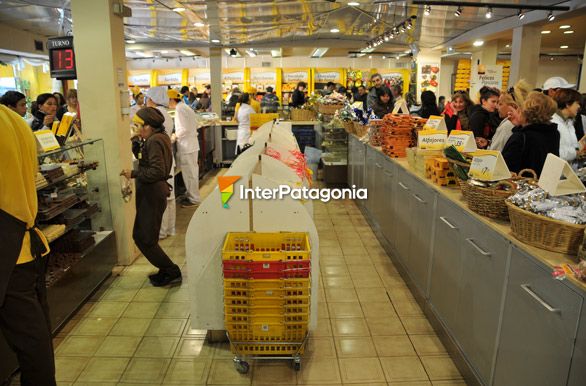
506, 71
463, 75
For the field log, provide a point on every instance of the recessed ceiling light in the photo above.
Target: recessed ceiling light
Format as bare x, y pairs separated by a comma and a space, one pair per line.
427, 10
488, 13
334, 30
353, 3
458, 12
478, 43
521, 14
550, 16
384, 57
199, 24
178, 9
369, 56
508, 46
215, 41
130, 41
565, 26
563, 46
545, 32
568, 32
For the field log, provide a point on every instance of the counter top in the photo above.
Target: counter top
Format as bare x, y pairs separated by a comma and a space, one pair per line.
548, 258
295, 123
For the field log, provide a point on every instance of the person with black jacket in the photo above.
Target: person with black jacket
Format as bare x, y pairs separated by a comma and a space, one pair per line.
155, 159
384, 102
428, 105
45, 112
534, 136
484, 118
298, 97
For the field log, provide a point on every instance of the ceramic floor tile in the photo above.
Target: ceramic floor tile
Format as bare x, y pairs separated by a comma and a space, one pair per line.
322, 311
194, 332
354, 250
449, 383
139, 270
350, 327
84, 310
400, 369
335, 271
94, 326
415, 383
394, 346
119, 294
222, 351
128, 282
194, 348
378, 309
323, 328
338, 282
363, 370
118, 346
69, 327
360, 347
222, 372
67, 369
330, 251
345, 310
341, 295
274, 373
157, 347
370, 295
130, 327
357, 259
427, 345
151, 294
151, 370
440, 368
104, 370
173, 310
385, 326
407, 308
78, 346
320, 348
141, 310
105, 309
166, 327
373, 282
417, 325
319, 371
366, 270
177, 295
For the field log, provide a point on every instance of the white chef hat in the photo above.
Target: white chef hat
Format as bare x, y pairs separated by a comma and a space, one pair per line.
158, 95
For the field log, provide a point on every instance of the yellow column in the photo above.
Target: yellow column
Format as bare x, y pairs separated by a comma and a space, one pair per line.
185, 77
103, 93
154, 78
246, 79
310, 85
279, 83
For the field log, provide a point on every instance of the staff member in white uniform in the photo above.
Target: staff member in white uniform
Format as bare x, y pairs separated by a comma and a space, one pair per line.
568, 102
243, 118
157, 97
186, 125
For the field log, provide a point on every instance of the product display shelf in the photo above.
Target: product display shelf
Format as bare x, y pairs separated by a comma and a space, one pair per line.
491, 297
335, 153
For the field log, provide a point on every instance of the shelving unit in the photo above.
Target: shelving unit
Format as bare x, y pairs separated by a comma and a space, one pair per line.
335, 153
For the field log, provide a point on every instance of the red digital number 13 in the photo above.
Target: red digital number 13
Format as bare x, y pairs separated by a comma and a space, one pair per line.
69, 59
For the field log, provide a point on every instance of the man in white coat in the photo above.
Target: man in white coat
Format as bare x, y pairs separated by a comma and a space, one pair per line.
186, 125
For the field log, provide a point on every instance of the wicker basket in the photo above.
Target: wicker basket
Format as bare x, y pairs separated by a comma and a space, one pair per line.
543, 232
360, 129
302, 115
329, 109
349, 126
463, 184
490, 202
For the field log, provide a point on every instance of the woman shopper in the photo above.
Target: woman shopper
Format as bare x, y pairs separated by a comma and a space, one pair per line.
568, 102
15, 101
72, 106
534, 137
428, 105
456, 112
384, 102
298, 97
243, 117
509, 102
45, 112
155, 159
138, 103
483, 117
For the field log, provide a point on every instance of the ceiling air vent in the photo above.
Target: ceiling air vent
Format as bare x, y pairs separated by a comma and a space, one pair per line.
267, 64
39, 45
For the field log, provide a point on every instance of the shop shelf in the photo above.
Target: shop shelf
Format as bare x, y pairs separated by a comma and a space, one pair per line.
278, 246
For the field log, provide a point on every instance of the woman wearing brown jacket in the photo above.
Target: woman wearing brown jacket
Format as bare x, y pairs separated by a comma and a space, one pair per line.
155, 157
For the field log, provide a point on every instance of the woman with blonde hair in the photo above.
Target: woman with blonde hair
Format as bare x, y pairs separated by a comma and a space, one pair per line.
511, 100
534, 136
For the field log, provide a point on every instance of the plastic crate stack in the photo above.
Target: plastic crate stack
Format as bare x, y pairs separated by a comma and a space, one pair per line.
305, 137
506, 71
267, 285
463, 75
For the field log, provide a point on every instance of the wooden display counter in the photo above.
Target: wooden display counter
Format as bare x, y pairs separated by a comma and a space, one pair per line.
492, 298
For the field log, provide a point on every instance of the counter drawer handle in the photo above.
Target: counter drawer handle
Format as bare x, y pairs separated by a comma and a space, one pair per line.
448, 223
378, 165
387, 173
403, 186
419, 198
528, 289
480, 250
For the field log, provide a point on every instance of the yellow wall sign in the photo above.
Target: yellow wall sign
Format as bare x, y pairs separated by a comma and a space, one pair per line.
489, 165
431, 139
462, 140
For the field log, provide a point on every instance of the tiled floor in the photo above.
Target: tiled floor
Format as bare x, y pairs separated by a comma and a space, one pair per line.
370, 330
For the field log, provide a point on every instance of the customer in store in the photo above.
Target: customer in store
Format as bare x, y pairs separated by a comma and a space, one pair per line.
185, 94
270, 101
61, 102
15, 101
484, 117
441, 105
384, 104
138, 103
397, 93
252, 102
24, 318
186, 125
428, 105
298, 97
72, 106
555, 83
192, 98
45, 112
244, 113
377, 82
330, 88
361, 96
158, 98
155, 160
205, 102
534, 136
456, 112
568, 102
580, 121
509, 103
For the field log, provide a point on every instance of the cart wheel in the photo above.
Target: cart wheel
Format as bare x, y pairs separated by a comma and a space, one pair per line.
242, 367
297, 364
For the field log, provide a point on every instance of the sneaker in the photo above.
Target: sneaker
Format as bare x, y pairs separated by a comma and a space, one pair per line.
188, 204
167, 278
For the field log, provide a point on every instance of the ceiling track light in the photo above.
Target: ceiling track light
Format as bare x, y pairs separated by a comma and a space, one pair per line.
488, 13
550, 16
427, 10
458, 12
521, 14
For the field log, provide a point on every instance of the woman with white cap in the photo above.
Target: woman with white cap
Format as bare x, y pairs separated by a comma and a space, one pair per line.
157, 97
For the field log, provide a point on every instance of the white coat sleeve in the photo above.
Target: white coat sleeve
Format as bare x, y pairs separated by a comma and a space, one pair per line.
181, 123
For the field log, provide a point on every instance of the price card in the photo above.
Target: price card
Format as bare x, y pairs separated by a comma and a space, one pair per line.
436, 122
46, 140
401, 107
431, 139
489, 165
462, 140
558, 178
